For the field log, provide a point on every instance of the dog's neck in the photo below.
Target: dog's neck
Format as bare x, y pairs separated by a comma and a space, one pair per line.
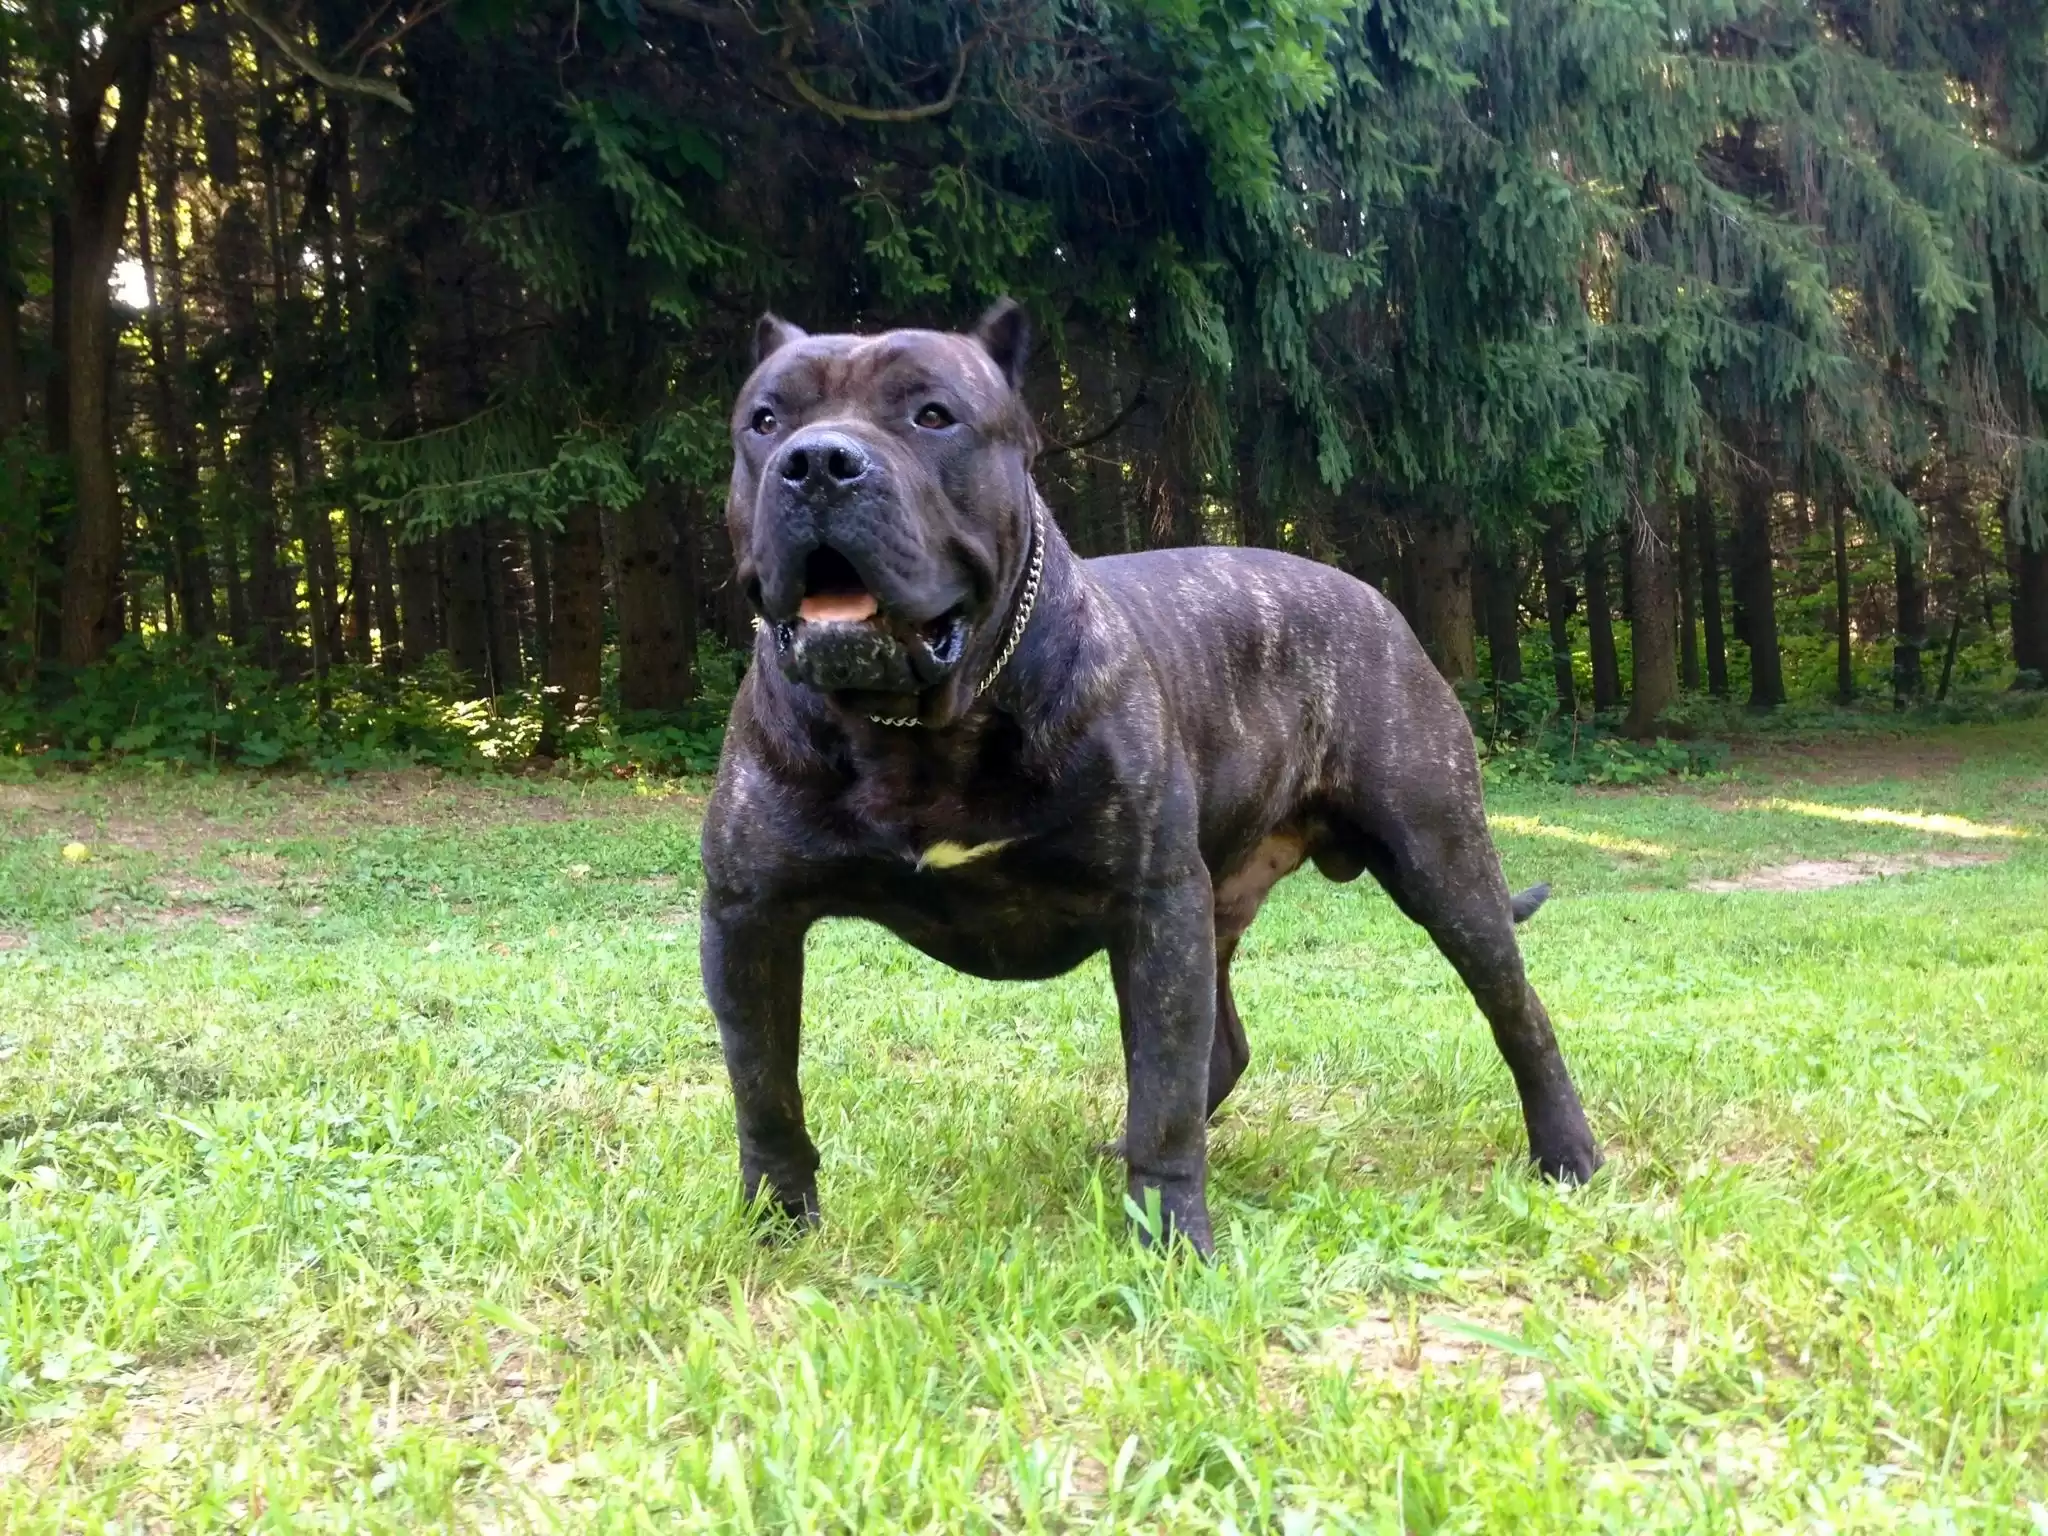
1049, 673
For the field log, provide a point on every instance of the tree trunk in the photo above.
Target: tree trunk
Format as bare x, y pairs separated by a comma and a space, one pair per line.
383, 597
1959, 594
1442, 560
1626, 566
1558, 601
316, 546
1907, 680
537, 544
356, 616
57, 383
505, 594
53, 545
102, 174
273, 610
1600, 627
1708, 544
1845, 661
162, 253
1653, 669
238, 597
655, 671
575, 615
1097, 520
686, 517
18, 560
1503, 615
2030, 611
1756, 594
418, 611
467, 605
13, 362
311, 525
1254, 519
738, 626
1687, 538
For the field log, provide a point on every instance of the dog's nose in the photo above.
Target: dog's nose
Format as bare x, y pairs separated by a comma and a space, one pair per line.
823, 462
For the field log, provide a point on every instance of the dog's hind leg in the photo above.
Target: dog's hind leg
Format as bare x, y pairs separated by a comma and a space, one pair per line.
1239, 895
1442, 871
1229, 1053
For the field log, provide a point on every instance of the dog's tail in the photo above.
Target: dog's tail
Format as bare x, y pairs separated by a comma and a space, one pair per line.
1525, 903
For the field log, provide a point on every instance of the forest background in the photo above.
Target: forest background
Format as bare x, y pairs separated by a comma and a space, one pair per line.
364, 367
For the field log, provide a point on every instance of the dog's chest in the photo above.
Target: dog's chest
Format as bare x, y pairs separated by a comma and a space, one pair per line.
993, 838
997, 901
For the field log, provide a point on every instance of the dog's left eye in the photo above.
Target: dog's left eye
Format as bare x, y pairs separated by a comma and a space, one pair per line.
934, 416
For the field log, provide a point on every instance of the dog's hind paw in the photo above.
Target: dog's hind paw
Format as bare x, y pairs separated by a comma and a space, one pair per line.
1524, 903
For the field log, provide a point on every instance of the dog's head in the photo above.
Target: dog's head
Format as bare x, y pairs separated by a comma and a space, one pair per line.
880, 508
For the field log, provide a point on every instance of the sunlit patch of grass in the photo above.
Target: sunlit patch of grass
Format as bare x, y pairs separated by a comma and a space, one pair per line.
1607, 842
1877, 815
408, 1203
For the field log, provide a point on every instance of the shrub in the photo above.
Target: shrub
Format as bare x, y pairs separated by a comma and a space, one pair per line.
204, 704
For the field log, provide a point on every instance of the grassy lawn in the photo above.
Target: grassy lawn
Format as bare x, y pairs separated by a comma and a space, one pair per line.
368, 1164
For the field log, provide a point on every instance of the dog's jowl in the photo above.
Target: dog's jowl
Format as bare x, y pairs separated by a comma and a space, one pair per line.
1014, 758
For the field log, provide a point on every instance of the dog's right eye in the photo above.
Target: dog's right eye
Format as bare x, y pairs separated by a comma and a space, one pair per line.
763, 421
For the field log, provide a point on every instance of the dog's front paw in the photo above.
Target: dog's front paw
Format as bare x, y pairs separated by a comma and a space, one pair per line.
1569, 1162
1165, 1216
781, 1214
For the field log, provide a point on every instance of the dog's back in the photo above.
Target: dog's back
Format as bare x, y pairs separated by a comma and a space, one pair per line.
1282, 671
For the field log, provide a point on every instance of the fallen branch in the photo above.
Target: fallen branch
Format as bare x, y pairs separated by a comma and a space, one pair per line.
1091, 439
312, 68
716, 17
811, 96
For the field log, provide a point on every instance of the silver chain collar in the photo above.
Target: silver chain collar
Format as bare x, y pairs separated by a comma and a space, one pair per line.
1024, 607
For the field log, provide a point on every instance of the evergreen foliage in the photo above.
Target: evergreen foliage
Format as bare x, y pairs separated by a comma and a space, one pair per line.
425, 306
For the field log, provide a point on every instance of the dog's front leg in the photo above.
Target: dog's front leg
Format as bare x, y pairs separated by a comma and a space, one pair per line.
753, 964
1165, 973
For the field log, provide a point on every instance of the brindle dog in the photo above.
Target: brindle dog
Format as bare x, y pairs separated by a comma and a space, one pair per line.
1014, 758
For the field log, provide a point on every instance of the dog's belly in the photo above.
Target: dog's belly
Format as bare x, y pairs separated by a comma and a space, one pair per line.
1036, 953
995, 927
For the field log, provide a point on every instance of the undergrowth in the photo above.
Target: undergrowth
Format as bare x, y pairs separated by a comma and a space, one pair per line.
180, 705
1522, 734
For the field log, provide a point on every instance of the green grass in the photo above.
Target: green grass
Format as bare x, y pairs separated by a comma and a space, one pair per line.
368, 1164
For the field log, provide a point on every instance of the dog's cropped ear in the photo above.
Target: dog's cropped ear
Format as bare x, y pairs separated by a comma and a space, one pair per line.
771, 334
1005, 334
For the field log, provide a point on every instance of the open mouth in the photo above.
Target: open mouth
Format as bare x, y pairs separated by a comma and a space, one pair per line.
843, 637
834, 592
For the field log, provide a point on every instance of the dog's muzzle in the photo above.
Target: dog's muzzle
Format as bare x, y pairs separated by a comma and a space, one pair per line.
841, 640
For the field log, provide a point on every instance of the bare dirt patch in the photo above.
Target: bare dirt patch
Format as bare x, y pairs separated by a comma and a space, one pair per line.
158, 1404
178, 914
153, 1418
163, 1401
31, 1460
258, 867
1849, 759
1403, 1351
18, 797
1850, 869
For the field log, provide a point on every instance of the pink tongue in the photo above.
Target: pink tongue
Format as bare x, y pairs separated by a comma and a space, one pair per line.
838, 608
